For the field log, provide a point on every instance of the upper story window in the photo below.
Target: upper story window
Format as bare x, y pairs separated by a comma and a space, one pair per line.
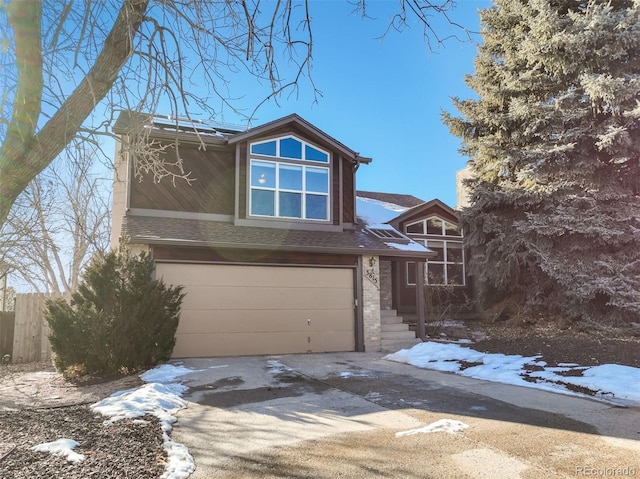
287, 186
290, 147
448, 266
433, 226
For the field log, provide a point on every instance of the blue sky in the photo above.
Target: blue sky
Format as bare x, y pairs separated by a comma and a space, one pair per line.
383, 98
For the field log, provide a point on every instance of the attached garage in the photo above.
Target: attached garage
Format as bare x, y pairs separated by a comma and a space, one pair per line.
232, 310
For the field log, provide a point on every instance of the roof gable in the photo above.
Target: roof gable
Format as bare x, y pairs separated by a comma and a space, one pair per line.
429, 208
305, 127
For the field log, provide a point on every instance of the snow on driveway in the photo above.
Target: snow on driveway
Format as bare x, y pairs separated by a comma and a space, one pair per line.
612, 383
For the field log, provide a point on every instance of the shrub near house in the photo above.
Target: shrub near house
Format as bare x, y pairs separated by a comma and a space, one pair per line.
120, 319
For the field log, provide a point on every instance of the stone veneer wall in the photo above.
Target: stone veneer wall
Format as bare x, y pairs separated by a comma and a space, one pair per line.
371, 299
386, 301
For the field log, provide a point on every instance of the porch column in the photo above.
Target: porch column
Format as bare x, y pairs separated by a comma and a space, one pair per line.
421, 332
371, 302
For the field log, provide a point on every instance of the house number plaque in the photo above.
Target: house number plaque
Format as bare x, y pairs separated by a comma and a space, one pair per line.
371, 272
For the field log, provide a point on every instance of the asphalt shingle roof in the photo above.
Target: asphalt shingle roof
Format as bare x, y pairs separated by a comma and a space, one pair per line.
408, 201
193, 232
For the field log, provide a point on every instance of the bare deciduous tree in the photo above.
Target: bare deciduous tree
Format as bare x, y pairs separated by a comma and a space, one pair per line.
57, 224
68, 65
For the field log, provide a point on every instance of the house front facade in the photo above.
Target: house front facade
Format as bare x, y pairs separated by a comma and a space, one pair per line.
261, 228
434, 225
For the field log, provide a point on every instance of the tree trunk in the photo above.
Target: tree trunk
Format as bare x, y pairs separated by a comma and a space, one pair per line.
25, 154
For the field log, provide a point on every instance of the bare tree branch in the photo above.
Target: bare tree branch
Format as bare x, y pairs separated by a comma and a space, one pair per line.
58, 223
25, 154
69, 65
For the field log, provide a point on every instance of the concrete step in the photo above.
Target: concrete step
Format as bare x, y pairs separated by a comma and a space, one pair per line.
397, 334
391, 320
393, 345
390, 316
394, 327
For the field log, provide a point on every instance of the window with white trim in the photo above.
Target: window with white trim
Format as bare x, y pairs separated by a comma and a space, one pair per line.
292, 185
445, 239
433, 226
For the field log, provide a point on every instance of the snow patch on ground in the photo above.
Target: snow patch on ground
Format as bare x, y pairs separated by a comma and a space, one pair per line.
61, 447
275, 367
160, 397
442, 425
356, 374
165, 373
612, 383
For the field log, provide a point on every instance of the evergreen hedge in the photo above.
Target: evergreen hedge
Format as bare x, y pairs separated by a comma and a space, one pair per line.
119, 319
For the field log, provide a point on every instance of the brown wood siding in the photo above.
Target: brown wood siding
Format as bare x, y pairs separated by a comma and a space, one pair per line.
335, 189
348, 192
169, 253
211, 191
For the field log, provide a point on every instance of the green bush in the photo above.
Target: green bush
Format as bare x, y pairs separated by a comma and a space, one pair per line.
120, 318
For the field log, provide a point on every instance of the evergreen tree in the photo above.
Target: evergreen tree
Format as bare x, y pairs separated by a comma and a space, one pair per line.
554, 144
120, 318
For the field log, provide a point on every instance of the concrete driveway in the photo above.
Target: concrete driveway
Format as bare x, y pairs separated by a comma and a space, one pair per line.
356, 415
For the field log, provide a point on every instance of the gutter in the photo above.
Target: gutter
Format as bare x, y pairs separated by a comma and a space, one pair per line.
385, 253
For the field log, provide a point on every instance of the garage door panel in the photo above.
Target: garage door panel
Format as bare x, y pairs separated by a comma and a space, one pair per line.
244, 310
231, 344
226, 275
238, 321
260, 298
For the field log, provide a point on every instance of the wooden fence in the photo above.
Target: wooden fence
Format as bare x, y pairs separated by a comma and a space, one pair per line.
7, 321
31, 331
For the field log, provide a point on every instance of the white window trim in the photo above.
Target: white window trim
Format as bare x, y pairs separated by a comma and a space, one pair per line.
424, 227
303, 192
446, 263
303, 153
445, 240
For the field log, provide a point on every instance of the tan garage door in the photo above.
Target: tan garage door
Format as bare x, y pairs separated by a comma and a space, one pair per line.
242, 310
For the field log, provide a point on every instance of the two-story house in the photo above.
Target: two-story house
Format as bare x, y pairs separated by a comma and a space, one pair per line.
265, 238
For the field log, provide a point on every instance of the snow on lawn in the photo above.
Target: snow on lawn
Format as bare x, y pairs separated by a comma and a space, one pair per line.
609, 382
161, 397
62, 448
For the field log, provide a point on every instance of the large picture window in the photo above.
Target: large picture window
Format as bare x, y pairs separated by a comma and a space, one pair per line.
286, 187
